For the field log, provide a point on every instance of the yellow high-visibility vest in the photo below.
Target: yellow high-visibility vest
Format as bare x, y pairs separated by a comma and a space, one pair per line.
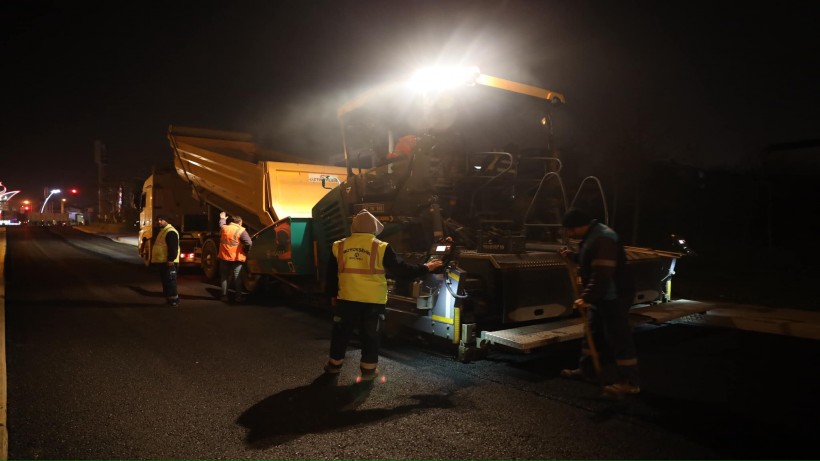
159, 254
361, 269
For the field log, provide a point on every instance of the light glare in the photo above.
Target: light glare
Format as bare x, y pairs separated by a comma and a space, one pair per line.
442, 78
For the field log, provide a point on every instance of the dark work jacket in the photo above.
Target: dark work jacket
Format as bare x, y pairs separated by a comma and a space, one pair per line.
602, 266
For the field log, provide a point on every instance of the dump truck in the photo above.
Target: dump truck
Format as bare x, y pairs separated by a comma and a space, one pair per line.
228, 171
164, 192
465, 171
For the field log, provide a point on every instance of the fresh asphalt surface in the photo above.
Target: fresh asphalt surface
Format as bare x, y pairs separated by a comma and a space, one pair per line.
99, 368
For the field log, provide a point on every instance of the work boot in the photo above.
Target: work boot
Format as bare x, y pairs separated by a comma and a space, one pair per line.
369, 374
619, 390
333, 369
223, 298
173, 302
239, 299
576, 374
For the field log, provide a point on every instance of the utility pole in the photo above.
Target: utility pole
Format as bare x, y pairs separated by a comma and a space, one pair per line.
101, 159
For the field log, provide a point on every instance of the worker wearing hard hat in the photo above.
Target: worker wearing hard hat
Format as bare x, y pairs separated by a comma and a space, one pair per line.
358, 288
607, 293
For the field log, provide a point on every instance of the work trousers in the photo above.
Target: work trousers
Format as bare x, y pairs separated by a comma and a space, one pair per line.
348, 315
230, 271
168, 278
612, 335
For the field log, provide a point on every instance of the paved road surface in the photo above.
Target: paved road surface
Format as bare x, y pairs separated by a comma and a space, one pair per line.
99, 368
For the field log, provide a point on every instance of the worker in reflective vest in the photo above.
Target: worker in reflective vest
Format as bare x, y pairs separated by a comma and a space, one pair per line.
165, 256
234, 245
357, 284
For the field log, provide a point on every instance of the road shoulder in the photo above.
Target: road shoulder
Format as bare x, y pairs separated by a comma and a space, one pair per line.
4, 433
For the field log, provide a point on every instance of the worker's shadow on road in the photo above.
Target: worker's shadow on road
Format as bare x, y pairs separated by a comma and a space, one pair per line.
321, 406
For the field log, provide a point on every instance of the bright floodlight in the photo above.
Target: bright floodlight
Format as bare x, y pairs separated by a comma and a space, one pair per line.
442, 78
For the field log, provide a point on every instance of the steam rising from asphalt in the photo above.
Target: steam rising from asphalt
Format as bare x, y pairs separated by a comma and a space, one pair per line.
305, 126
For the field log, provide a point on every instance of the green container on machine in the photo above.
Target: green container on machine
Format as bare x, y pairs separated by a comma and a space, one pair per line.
286, 247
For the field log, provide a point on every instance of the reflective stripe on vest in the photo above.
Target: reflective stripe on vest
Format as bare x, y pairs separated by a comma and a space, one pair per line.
159, 253
597, 231
230, 248
361, 273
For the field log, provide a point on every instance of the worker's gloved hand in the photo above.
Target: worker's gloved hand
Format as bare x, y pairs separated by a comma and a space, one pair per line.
581, 304
433, 265
223, 215
565, 252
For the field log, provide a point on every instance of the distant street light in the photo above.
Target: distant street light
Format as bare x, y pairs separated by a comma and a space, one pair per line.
53, 191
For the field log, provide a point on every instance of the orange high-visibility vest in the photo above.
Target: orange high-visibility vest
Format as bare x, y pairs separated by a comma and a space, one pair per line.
230, 247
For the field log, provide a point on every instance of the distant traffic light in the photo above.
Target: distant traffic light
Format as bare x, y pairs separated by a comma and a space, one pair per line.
74, 191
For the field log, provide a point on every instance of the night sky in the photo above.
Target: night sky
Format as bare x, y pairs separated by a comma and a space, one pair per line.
690, 82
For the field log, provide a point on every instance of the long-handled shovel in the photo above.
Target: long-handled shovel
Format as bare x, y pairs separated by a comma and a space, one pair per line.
593, 351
